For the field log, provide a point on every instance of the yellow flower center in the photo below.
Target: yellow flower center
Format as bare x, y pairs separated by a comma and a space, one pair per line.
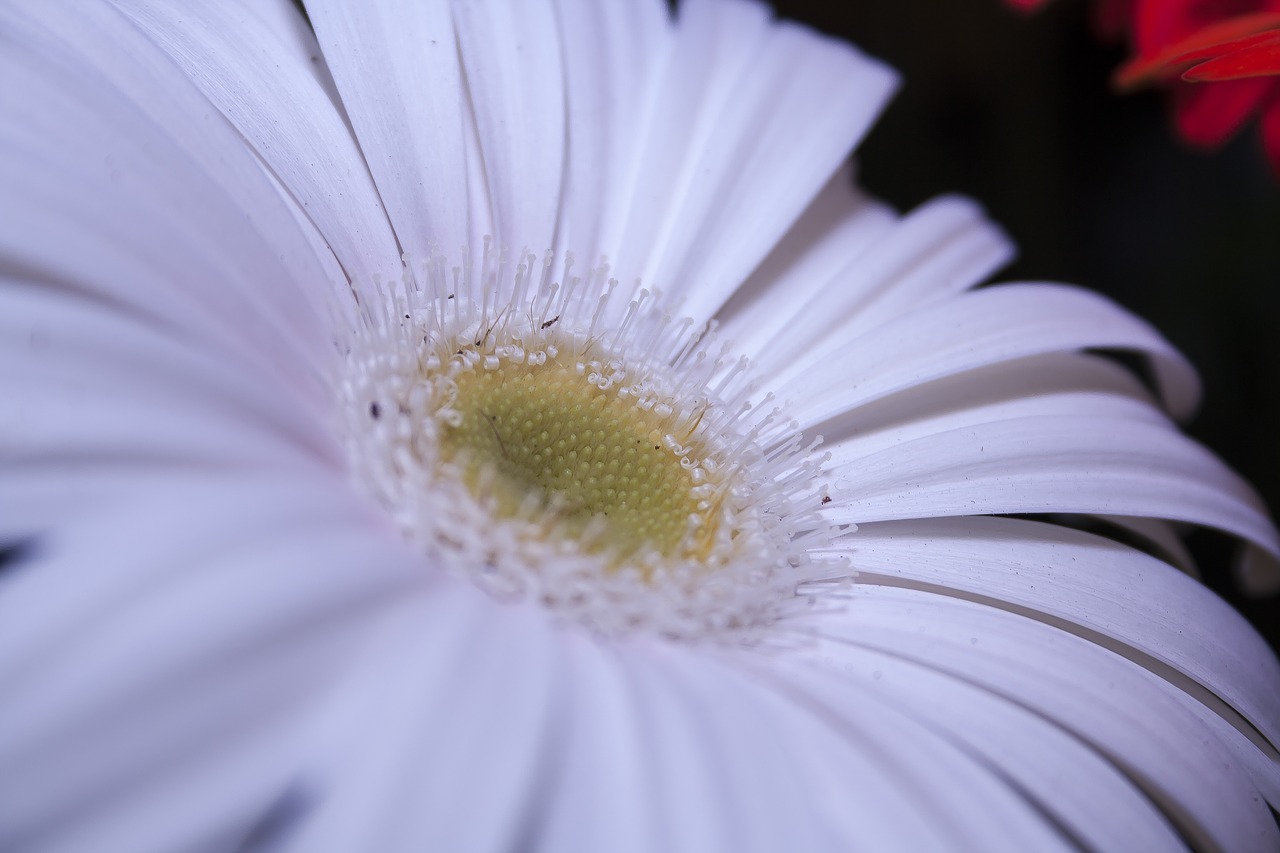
582, 452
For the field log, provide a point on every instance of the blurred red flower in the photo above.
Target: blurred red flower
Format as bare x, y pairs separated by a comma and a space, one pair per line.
1219, 59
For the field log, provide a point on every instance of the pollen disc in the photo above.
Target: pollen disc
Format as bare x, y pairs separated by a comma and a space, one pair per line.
587, 454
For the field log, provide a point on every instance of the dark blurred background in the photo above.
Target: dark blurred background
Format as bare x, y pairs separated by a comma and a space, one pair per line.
1016, 111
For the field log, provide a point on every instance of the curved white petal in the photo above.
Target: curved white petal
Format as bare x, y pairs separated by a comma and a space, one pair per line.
162, 691
454, 699
582, 746
970, 331
1117, 706
1133, 604
945, 247
1160, 536
610, 52
460, 113
396, 67
1052, 383
260, 65
841, 226
1251, 751
976, 806
1090, 799
1075, 453
737, 95
98, 402
106, 151
511, 60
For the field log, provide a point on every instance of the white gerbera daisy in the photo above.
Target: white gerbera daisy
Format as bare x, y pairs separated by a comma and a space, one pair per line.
410, 441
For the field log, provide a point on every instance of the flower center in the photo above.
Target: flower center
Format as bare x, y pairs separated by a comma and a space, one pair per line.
569, 442
584, 453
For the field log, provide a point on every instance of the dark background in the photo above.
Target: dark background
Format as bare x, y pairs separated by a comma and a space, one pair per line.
1016, 111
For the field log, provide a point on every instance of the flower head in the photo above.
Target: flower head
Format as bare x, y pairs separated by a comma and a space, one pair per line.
412, 432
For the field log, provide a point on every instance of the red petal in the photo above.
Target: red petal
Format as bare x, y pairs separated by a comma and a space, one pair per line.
1259, 58
1213, 51
1172, 60
1207, 116
1158, 23
1270, 127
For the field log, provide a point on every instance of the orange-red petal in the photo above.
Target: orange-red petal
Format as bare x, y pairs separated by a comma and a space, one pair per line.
1252, 56
1207, 116
1172, 60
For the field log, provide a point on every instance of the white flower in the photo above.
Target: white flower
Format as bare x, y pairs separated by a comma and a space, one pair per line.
250, 496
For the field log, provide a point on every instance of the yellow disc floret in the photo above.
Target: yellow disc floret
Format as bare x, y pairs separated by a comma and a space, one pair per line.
587, 453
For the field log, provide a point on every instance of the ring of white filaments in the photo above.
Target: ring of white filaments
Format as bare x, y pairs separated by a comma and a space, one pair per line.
755, 482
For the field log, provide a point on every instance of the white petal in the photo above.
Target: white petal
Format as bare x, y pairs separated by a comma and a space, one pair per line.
942, 248
515, 91
445, 735
610, 52
396, 67
1118, 707
260, 65
119, 181
1160, 536
574, 744
970, 331
1050, 384
161, 690
835, 231
976, 806
1075, 453
1133, 604
98, 401
700, 62
1095, 804
1253, 752
749, 121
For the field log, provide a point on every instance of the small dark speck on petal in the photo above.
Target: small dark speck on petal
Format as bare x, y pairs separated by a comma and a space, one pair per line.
13, 554
273, 828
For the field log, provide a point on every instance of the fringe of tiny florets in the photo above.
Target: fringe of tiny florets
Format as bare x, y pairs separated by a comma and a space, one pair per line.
413, 335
